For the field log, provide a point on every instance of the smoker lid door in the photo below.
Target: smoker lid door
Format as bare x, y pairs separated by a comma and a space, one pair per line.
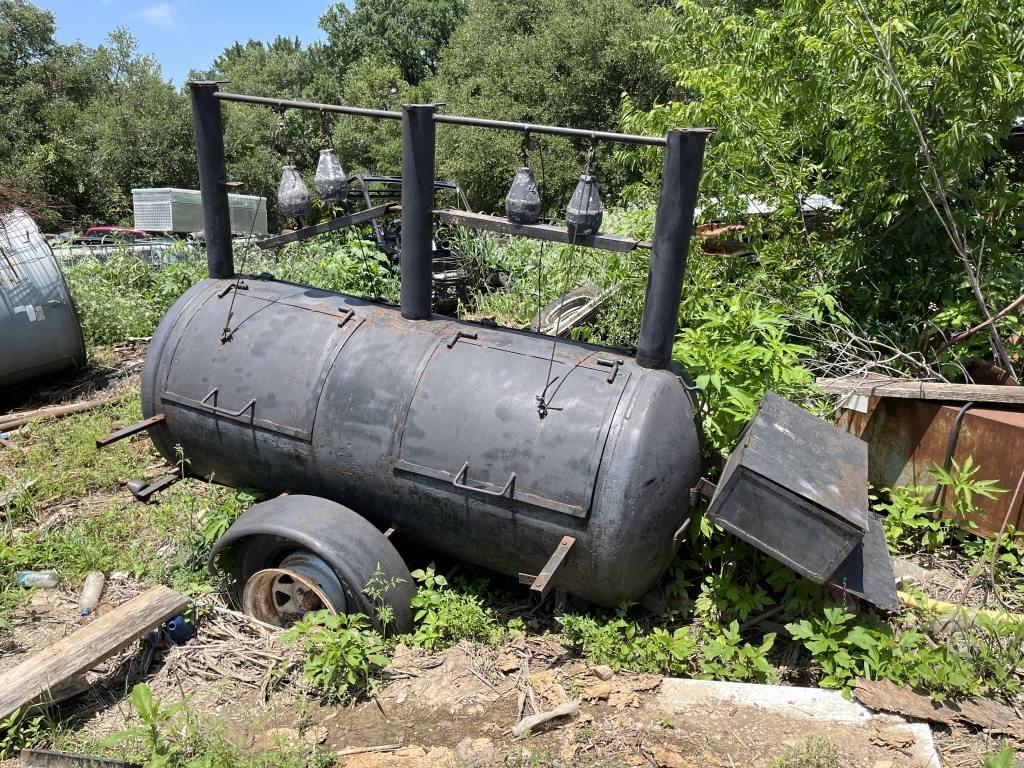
473, 422
271, 373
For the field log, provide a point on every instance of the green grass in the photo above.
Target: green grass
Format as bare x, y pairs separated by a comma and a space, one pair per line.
98, 524
815, 752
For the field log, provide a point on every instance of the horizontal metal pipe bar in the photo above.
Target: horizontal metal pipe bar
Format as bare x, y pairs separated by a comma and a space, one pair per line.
551, 130
549, 232
477, 122
266, 101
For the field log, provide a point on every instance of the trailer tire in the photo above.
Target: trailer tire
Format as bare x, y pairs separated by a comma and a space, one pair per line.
356, 552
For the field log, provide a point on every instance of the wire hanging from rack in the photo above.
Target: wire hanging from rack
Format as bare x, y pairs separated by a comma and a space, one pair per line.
227, 334
543, 402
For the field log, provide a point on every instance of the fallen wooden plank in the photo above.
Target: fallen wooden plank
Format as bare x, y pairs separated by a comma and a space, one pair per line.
924, 390
885, 696
549, 232
41, 758
71, 656
15, 420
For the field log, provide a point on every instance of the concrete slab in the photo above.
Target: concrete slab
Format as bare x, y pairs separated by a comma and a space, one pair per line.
754, 712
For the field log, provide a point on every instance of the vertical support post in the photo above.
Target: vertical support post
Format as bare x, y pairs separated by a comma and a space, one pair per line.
673, 226
418, 140
209, 133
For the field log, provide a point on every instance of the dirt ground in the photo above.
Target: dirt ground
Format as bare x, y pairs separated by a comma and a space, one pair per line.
454, 707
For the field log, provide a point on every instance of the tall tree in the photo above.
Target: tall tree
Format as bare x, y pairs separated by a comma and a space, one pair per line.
550, 61
803, 101
410, 34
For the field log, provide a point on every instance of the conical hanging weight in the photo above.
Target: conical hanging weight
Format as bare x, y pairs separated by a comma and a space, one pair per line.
522, 203
292, 194
584, 213
331, 182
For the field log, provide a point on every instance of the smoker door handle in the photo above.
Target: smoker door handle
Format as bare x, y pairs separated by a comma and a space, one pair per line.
250, 406
460, 483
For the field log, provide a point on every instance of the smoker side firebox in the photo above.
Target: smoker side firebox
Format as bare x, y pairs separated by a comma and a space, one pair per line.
567, 464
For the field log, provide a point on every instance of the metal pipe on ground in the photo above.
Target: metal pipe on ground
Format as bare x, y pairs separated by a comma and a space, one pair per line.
684, 158
418, 145
213, 177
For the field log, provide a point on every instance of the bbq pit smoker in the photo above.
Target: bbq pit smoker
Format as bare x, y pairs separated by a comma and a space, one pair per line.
564, 463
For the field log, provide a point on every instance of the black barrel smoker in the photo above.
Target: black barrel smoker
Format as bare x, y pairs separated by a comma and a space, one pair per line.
565, 463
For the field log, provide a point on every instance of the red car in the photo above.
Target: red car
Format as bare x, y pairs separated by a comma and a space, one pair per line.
109, 235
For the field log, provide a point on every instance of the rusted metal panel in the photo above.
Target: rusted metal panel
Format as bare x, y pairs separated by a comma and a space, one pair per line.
908, 438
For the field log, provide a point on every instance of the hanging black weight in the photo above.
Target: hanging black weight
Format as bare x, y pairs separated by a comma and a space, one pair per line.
522, 203
584, 213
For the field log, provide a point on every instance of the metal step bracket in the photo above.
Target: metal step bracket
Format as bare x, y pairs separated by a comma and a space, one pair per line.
542, 582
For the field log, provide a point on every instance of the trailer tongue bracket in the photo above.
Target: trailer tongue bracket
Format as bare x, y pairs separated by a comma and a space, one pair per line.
121, 434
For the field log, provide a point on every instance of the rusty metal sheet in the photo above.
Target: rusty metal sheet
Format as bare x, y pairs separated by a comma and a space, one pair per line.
908, 438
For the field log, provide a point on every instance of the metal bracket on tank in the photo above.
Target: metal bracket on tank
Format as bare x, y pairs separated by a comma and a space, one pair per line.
542, 582
238, 286
121, 434
614, 365
703, 489
250, 406
460, 335
460, 482
349, 314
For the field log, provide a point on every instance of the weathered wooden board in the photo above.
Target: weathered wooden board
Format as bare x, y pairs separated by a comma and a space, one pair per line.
924, 390
71, 656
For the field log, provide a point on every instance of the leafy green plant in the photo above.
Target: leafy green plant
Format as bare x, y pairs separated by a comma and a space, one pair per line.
962, 482
156, 730
219, 517
445, 616
724, 655
342, 653
981, 661
1004, 758
911, 524
19, 732
718, 653
739, 347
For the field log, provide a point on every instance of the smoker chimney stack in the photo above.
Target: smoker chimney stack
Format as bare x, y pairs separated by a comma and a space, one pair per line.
418, 144
684, 157
213, 177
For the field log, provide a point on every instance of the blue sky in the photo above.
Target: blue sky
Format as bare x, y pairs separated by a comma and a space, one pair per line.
186, 34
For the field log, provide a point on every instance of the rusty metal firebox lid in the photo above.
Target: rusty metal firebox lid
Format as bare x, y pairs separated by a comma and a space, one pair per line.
816, 461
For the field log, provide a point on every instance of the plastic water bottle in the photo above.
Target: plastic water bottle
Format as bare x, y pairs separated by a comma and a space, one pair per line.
38, 579
91, 593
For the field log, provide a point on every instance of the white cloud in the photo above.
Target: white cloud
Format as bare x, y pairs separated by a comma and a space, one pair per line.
159, 14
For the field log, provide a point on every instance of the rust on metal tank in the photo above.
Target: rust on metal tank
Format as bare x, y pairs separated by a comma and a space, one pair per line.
908, 438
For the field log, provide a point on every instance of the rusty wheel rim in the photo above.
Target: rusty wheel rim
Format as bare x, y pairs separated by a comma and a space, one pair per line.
301, 584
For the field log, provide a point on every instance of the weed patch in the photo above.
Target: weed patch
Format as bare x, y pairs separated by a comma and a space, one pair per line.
445, 616
815, 752
342, 653
171, 737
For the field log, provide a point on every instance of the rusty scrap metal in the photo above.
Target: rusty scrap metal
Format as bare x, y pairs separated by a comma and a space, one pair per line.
907, 439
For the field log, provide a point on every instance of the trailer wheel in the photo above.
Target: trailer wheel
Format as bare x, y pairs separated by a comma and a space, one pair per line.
296, 554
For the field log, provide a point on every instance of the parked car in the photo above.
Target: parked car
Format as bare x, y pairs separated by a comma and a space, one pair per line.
115, 235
